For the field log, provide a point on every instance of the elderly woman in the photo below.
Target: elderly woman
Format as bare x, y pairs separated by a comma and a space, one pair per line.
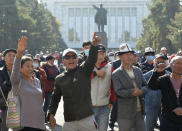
30, 93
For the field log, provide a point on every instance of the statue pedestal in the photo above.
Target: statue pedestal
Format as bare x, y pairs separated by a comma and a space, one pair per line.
103, 36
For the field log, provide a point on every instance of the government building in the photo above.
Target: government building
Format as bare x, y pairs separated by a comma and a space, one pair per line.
124, 20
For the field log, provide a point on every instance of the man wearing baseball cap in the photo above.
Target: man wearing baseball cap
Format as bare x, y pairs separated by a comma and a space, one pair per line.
75, 85
152, 98
5, 83
129, 86
102, 91
149, 56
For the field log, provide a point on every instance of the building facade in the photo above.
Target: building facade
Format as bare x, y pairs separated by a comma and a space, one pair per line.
124, 20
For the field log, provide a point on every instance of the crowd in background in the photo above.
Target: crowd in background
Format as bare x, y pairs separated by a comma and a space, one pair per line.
140, 91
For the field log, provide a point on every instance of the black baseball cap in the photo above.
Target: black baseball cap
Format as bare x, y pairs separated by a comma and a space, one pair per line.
161, 56
101, 48
9, 50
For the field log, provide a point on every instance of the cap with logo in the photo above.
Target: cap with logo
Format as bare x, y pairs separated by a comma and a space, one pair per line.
161, 56
101, 48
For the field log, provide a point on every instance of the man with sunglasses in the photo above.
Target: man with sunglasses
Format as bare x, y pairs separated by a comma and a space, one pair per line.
75, 87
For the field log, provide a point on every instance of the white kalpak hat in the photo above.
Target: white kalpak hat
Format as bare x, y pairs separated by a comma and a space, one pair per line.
124, 48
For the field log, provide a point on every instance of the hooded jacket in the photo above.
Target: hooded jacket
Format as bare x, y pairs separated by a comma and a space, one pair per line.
102, 90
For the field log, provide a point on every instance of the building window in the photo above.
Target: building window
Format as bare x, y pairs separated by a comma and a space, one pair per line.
106, 26
127, 24
71, 25
92, 22
113, 24
78, 25
85, 24
133, 24
120, 24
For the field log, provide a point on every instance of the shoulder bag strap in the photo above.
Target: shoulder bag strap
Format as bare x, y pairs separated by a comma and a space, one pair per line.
3, 96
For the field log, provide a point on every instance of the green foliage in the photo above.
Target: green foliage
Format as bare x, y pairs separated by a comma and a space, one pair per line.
9, 33
42, 28
155, 26
175, 29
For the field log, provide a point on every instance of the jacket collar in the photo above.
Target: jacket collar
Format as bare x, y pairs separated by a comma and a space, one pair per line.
103, 64
127, 76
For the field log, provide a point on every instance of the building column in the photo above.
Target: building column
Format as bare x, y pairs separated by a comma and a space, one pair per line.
88, 18
74, 40
123, 24
109, 26
116, 26
66, 22
81, 26
130, 23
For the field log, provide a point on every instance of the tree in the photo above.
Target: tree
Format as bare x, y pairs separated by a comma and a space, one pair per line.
161, 14
44, 33
9, 30
175, 31
145, 40
43, 29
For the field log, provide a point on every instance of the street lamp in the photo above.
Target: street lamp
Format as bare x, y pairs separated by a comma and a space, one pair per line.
24, 32
3, 18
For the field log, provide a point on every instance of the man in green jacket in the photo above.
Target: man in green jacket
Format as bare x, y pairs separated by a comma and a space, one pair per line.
75, 87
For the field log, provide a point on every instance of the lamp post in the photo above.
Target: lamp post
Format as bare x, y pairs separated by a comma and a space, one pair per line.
3, 18
3, 29
24, 32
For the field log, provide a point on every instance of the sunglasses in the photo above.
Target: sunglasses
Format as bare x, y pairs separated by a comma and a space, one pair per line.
150, 54
67, 57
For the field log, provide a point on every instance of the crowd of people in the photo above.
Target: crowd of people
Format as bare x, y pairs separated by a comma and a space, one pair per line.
138, 91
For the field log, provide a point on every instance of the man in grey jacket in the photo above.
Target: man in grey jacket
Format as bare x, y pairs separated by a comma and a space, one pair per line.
129, 86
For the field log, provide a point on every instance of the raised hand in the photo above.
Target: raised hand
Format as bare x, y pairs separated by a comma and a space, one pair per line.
96, 40
22, 44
